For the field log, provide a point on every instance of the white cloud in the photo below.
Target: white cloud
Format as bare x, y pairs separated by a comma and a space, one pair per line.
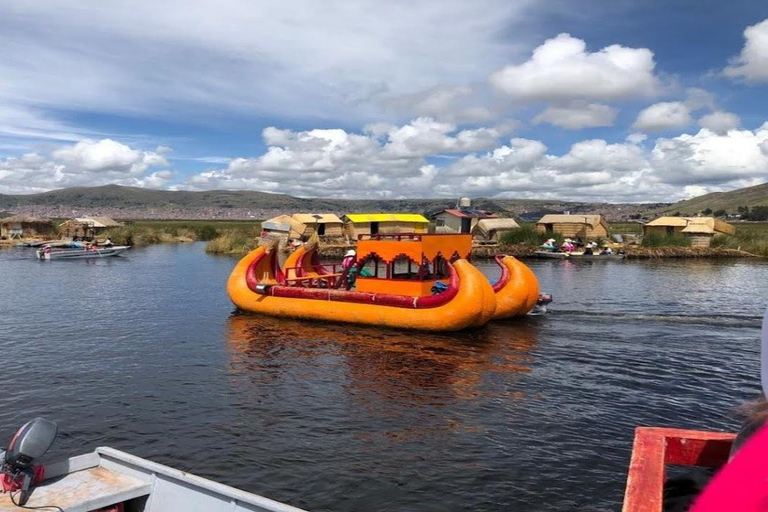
720, 121
295, 58
388, 161
752, 63
86, 163
707, 158
577, 115
562, 68
666, 115
335, 163
425, 136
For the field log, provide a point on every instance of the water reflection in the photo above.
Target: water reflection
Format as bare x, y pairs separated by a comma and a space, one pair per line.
389, 363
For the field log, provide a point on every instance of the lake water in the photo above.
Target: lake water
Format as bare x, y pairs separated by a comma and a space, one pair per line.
144, 354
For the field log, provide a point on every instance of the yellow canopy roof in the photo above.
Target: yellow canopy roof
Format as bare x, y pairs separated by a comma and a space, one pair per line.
387, 217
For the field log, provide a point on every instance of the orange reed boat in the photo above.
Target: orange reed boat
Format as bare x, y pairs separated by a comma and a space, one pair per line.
398, 280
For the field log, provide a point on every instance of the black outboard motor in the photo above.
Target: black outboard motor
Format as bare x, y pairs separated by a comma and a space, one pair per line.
541, 304
17, 462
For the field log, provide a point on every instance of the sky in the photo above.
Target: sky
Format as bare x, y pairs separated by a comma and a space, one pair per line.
582, 100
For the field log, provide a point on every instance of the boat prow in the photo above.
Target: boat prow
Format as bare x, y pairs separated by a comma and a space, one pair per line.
517, 290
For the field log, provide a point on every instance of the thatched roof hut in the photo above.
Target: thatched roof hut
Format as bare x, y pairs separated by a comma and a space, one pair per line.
86, 228
284, 225
491, 229
326, 224
701, 230
574, 226
356, 224
22, 226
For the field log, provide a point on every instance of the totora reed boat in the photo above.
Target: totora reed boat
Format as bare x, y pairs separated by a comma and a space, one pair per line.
413, 281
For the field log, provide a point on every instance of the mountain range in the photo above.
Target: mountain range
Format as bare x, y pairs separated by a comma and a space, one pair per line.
133, 202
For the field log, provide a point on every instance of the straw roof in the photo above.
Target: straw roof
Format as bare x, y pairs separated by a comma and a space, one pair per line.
695, 225
592, 220
486, 226
317, 218
284, 223
25, 219
386, 217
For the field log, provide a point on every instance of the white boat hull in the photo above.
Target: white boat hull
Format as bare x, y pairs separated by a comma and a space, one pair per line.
107, 477
81, 254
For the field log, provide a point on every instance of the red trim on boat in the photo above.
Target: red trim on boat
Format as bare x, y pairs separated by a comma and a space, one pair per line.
330, 294
250, 273
504, 277
381, 299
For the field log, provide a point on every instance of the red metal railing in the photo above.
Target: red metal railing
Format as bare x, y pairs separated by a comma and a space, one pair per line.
654, 448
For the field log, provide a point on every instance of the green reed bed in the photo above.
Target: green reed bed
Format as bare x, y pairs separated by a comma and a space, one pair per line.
148, 232
659, 240
233, 242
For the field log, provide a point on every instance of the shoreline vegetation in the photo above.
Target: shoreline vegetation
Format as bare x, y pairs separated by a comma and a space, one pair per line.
236, 238
750, 241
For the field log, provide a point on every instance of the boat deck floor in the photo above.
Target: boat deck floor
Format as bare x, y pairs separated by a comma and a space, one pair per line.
82, 491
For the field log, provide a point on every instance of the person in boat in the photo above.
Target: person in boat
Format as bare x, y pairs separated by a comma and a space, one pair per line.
567, 245
108, 242
349, 259
549, 245
296, 244
607, 251
588, 250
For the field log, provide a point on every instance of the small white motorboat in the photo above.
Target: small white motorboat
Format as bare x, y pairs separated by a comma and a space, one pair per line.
110, 480
598, 257
50, 253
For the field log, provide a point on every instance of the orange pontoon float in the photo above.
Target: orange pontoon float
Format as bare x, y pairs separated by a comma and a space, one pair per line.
399, 280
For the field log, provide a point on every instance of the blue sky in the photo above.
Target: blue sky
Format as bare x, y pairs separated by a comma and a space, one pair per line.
622, 101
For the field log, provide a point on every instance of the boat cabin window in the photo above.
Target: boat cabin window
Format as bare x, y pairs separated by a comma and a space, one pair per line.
374, 228
374, 267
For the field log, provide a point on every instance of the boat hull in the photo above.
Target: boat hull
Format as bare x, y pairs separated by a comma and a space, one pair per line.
517, 290
551, 255
472, 305
81, 254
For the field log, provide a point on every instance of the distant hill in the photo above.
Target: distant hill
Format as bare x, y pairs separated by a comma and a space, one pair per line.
728, 201
132, 202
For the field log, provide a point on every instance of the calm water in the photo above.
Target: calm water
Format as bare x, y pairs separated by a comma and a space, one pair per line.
142, 353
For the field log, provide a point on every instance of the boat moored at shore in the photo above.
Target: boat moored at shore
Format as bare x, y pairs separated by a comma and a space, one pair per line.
50, 253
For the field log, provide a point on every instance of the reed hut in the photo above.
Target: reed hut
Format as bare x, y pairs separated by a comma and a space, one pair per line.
356, 224
25, 226
283, 225
86, 228
574, 226
325, 224
490, 230
460, 220
700, 230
